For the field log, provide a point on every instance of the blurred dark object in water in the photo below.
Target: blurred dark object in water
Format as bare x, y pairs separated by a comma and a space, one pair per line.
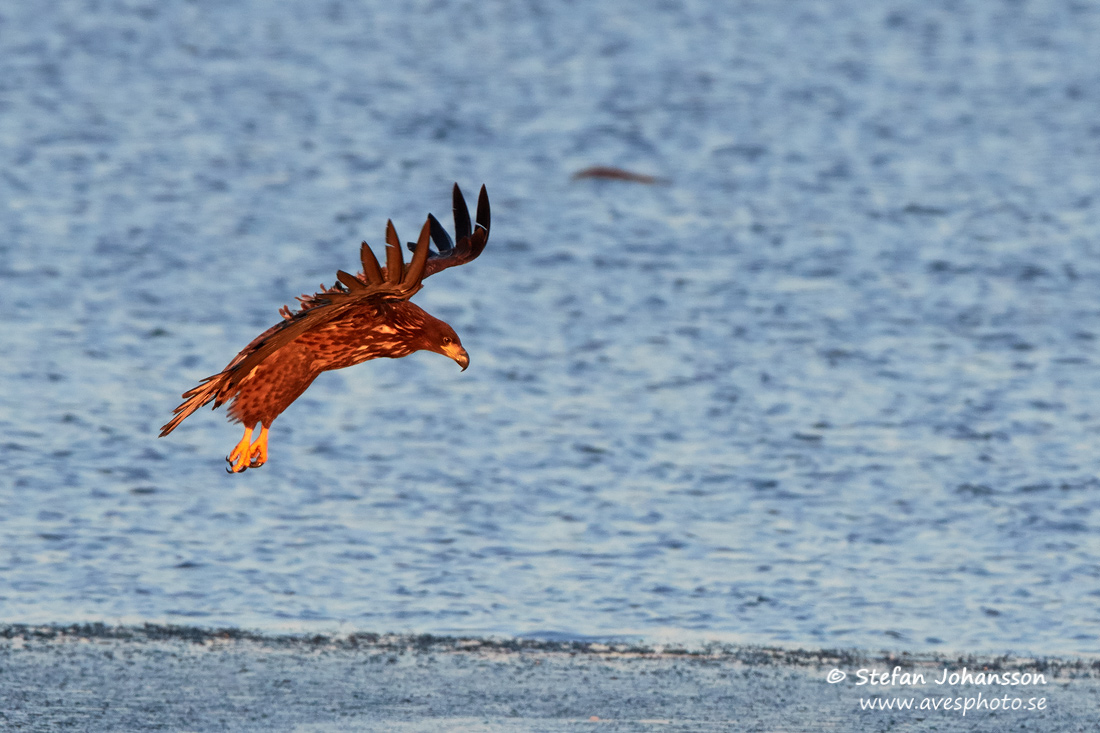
617, 174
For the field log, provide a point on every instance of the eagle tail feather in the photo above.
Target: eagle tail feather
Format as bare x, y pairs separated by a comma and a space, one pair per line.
206, 391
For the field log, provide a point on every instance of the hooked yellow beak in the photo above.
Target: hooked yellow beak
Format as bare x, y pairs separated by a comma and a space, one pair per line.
456, 352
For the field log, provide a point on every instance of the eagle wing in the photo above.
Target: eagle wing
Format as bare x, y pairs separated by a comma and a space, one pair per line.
395, 281
470, 242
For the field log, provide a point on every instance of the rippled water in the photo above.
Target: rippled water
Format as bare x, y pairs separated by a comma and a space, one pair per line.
833, 384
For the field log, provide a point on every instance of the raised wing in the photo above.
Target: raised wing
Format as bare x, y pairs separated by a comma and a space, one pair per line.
395, 282
469, 244
375, 284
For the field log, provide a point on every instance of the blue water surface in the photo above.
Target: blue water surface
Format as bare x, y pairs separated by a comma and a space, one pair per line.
833, 382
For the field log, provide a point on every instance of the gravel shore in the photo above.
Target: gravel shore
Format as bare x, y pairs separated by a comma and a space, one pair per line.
101, 678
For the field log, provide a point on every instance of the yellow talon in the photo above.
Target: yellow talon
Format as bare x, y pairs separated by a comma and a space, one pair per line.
239, 459
258, 450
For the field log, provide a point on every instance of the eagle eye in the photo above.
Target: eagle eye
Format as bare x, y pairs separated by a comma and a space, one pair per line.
446, 340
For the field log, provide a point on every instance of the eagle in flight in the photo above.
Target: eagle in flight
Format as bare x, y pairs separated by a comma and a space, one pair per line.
361, 317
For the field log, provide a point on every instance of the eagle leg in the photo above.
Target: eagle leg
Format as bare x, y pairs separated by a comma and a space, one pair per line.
258, 451
239, 459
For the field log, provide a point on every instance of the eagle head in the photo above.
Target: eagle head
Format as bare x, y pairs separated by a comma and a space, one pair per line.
439, 337
451, 347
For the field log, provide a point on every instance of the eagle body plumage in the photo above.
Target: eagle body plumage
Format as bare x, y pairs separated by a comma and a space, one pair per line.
362, 317
390, 330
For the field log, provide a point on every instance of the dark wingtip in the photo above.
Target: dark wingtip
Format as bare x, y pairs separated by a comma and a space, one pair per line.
395, 263
462, 215
415, 270
391, 235
371, 269
483, 214
440, 236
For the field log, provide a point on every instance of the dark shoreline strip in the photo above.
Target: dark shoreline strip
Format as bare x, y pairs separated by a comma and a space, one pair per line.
429, 643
